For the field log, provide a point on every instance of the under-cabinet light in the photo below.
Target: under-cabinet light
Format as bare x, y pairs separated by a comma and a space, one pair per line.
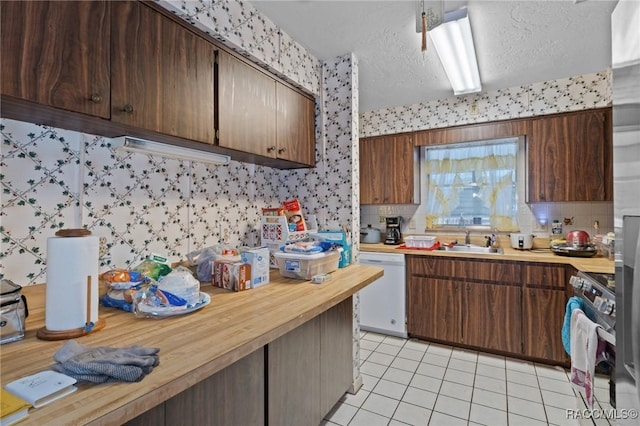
127, 143
454, 43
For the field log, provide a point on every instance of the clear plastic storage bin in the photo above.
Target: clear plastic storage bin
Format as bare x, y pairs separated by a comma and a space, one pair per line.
305, 266
419, 241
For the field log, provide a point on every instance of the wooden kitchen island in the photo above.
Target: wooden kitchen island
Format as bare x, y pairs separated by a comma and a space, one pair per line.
278, 354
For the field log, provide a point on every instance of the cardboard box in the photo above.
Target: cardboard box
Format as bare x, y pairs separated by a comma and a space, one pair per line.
234, 276
258, 258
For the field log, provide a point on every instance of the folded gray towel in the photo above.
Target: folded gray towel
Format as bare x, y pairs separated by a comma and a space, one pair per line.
104, 364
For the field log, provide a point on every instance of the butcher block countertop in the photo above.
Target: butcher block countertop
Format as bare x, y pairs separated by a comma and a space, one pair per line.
597, 263
192, 347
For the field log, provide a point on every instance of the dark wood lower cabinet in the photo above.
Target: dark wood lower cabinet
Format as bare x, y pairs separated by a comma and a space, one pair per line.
516, 308
491, 317
293, 371
336, 354
434, 309
310, 368
294, 380
232, 396
543, 316
153, 417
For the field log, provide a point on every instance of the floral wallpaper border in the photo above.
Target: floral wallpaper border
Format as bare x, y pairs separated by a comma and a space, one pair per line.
549, 97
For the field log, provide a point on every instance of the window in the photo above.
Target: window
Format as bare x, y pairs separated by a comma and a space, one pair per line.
472, 184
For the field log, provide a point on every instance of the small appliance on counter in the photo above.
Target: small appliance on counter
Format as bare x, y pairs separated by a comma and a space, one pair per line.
394, 236
369, 235
578, 244
521, 241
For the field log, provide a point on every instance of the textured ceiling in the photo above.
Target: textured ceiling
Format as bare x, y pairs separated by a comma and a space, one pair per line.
517, 42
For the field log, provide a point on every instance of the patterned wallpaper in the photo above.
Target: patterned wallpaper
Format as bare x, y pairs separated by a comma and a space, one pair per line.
568, 94
243, 28
331, 190
139, 204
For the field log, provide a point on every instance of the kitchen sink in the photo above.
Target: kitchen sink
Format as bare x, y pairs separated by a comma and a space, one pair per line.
470, 248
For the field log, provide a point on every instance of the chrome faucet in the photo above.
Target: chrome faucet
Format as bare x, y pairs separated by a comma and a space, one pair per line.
467, 237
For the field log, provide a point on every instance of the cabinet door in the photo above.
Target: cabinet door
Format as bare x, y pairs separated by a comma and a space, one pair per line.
387, 170
570, 156
491, 317
545, 275
543, 316
293, 377
295, 123
246, 107
372, 164
336, 354
56, 53
233, 396
433, 309
162, 74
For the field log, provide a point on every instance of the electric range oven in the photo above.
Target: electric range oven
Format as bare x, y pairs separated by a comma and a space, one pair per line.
598, 294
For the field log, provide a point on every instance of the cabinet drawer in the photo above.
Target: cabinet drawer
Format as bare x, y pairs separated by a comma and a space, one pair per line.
429, 266
545, 275
498, 272
465, 269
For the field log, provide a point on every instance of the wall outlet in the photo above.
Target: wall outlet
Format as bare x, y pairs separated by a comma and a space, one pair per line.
382, 219
473, 109
412, 224
103, 249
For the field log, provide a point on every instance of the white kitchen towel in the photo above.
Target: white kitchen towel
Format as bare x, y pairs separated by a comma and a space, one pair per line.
584, 352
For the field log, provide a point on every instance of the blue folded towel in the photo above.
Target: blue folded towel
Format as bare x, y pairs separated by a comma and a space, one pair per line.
572, 304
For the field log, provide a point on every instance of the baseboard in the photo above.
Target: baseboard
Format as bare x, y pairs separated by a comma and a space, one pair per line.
355, 386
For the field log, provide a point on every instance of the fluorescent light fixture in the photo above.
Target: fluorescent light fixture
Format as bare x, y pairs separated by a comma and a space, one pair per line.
454, 43
127, 143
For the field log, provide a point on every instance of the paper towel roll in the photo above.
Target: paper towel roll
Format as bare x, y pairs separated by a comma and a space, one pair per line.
70, 260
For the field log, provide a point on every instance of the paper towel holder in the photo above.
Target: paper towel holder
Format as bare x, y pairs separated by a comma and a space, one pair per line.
90, 326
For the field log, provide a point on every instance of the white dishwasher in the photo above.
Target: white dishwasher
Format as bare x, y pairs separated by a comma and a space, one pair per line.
382, 303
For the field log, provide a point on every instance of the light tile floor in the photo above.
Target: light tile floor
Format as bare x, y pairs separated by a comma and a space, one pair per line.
412, 382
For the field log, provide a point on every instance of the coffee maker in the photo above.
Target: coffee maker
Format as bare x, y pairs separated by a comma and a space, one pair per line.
394, 236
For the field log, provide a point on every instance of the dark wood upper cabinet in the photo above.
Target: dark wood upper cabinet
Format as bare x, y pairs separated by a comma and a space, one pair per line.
132, 68
472, 132
246, 105
259, 115
389, 170
162, 74
569, 157
295, 121
57, 54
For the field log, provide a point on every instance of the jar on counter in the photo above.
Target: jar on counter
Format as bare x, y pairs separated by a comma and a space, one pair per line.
556, 227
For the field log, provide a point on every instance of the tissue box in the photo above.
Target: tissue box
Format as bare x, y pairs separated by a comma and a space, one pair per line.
258, 258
